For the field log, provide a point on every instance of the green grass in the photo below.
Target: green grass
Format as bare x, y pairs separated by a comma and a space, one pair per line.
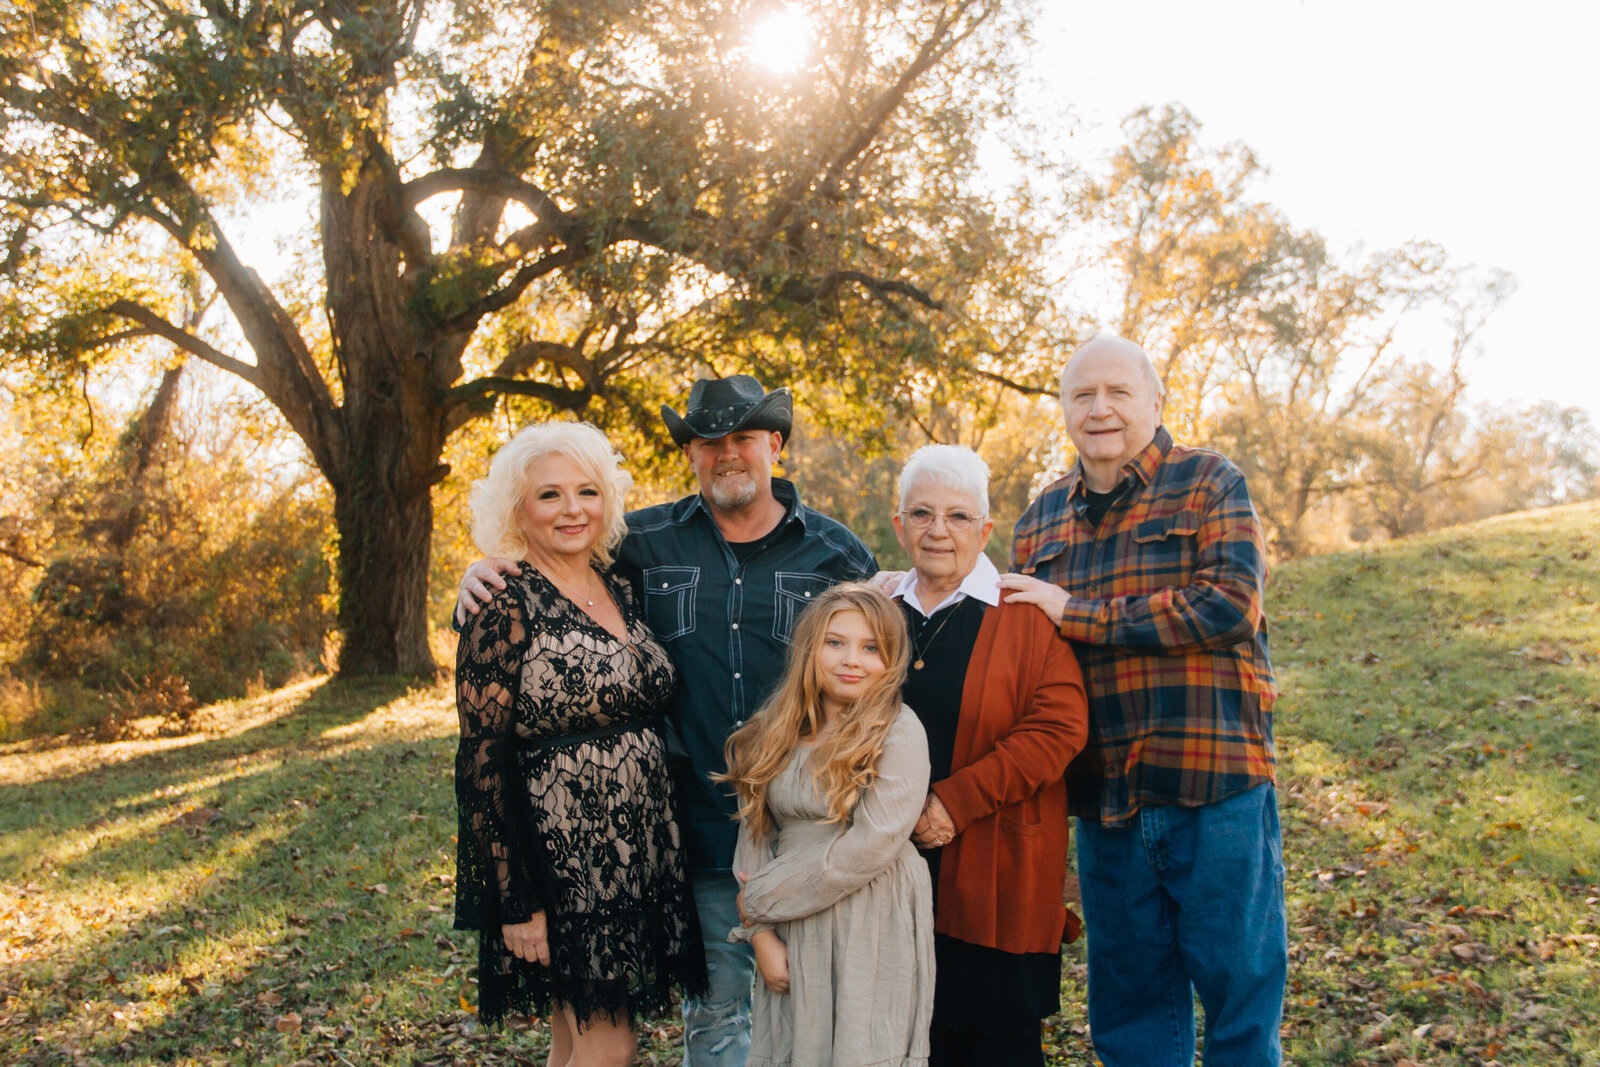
1440, 731
275, 890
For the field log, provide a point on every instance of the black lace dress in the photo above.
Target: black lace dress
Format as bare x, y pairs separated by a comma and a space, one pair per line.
565, 807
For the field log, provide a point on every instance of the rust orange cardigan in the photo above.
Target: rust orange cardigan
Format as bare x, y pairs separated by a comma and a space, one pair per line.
1023, 717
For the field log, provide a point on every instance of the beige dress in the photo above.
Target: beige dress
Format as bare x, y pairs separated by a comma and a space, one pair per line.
854, 905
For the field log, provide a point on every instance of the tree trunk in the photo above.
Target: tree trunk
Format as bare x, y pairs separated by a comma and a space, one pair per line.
393, 438
384, 543
122, 511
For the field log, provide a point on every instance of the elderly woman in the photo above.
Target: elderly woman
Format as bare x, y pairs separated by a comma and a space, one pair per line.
569, 860
1001, 698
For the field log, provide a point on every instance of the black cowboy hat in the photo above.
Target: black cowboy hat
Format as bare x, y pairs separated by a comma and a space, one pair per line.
720, 406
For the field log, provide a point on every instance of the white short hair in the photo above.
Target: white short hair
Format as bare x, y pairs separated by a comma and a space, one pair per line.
497, 499
959, 468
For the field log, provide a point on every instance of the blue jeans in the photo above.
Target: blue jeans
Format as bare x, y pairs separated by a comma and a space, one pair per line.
1185, 901
716, 1027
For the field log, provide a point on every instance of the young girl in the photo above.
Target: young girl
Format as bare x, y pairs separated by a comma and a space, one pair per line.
831, 776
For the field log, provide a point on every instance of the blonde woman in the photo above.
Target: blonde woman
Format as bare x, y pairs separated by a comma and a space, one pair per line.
569, 859
830, 777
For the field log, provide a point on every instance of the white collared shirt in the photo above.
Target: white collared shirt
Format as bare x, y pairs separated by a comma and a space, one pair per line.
979, 583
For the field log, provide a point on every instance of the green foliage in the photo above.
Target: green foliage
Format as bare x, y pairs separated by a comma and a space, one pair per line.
560, 208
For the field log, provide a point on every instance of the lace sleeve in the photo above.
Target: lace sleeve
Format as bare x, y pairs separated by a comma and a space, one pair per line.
494, 868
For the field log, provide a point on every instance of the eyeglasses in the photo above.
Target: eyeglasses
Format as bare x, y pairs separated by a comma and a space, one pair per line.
955, 521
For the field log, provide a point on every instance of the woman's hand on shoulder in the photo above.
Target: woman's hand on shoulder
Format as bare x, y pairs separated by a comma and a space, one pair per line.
530, 940
479, 585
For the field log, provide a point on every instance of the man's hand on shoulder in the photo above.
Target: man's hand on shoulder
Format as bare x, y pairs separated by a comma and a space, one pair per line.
479, 585
1026, 589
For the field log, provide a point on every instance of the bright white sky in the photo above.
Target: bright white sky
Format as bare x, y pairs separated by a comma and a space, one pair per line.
1472, 124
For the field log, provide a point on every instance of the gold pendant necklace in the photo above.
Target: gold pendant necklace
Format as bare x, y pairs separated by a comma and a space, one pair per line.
570, 596
917, 663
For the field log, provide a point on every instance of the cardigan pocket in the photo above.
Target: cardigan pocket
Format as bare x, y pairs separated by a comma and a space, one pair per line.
1021, 829
1022, 818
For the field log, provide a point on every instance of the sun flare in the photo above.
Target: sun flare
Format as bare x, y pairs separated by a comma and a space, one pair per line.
781, 42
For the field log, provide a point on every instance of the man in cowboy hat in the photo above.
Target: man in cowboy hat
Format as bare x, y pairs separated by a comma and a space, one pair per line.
723, 574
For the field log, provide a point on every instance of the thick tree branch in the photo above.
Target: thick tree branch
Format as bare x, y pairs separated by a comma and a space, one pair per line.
153, 324
399, 219
495, 183
1011, 383
284, 370
27, 561
477, 398
933, 50
530, 353
880, 288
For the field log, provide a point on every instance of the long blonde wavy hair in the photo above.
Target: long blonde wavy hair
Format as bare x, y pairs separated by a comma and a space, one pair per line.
846, 761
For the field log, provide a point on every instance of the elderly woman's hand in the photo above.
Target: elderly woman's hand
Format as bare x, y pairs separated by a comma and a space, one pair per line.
886, 582
530, 940
1026, 589
478, 586
935, 827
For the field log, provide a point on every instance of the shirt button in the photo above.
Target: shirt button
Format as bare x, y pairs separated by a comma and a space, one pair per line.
735, 626
736, 676
808, 594
663, 585
738, 581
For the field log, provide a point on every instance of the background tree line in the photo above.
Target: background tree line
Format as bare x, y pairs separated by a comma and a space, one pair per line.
575, 219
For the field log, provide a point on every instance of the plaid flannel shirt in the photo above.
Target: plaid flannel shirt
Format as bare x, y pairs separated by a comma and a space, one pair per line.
1166, 617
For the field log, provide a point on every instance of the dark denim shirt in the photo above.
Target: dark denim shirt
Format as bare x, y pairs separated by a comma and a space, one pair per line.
727, 628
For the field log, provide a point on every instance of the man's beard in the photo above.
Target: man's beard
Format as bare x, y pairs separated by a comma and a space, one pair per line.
731, 494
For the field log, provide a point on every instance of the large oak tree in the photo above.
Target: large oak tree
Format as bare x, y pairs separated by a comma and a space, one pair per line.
574, 201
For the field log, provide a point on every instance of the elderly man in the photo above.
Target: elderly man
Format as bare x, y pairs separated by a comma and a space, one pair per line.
1148, 557
723, 575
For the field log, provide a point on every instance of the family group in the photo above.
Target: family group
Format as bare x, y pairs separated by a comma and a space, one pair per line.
708, 749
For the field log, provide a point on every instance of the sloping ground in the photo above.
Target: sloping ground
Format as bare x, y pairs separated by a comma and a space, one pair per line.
1440, 725
276, 889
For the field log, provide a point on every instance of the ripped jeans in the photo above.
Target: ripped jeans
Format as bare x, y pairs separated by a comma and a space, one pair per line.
716, 1027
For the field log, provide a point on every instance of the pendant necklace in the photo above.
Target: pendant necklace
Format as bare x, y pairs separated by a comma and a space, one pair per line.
918, 648
587, 600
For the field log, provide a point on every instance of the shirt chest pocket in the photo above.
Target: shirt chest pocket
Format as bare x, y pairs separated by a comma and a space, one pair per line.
1164, 548
669, 600
793, 592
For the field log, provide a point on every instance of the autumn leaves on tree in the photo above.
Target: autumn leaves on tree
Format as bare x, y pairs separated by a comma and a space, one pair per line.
573, 203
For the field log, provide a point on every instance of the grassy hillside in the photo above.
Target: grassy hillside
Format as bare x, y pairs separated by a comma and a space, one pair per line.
276, 889
1440, 726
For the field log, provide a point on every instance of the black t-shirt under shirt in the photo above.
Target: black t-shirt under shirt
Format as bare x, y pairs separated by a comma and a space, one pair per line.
1100, 503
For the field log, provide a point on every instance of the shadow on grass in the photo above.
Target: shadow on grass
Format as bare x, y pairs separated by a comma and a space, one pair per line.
130, 786
312, 911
